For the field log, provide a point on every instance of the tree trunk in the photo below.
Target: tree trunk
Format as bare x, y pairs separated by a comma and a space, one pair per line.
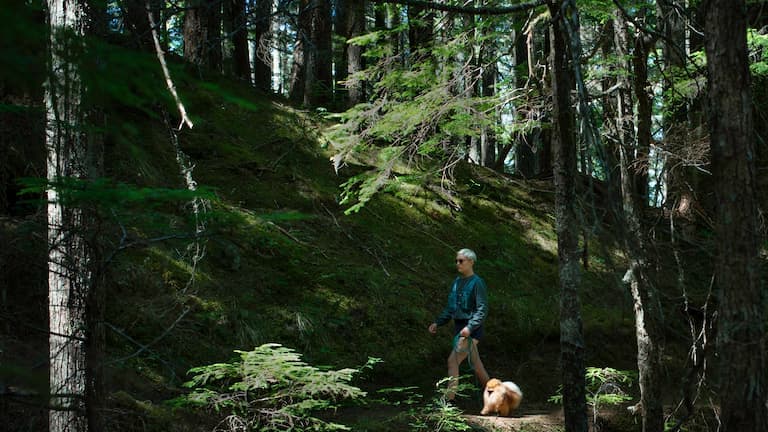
340, 49
318, 56
486, 87
352, 24
298, 73
69, 258
284, 60
564, 146
488, 139
536, 43
236, 55
202, 33
647, 307
643, 45
610, 103
741, 321
393, 19
467, 65
214, 44
195, 36
262, 53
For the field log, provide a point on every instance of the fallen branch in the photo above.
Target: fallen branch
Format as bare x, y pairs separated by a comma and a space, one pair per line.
168, 81
287, 234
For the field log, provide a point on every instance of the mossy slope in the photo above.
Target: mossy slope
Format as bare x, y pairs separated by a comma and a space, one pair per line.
283, 263
287, 265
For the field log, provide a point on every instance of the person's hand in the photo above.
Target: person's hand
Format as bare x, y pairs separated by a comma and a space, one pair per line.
465, 332
433, 328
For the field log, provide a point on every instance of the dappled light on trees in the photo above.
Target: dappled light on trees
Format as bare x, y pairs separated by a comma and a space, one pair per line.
184, 180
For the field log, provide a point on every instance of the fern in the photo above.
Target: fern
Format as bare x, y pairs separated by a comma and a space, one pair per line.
271, 388
605, 386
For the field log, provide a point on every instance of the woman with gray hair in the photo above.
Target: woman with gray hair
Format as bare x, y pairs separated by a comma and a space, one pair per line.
468, 307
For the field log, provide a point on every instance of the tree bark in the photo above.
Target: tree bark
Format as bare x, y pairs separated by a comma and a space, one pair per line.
526, 143
564, 147
340, 50
262, 54
352, 24
213, 30
741, 321
609, 49
488, 139
236, 56
642, 48
69, 258
318, 84
649, 326
195, 36
298, 72
202, 33
535, 147
486, 84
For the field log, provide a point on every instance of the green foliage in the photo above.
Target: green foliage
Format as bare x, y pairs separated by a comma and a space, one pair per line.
399, 396
419, 111
271, 388
22, 64
107, 194
671, 423
598, 11
757, 45
686, 83
605, 386
440, 414
361, 188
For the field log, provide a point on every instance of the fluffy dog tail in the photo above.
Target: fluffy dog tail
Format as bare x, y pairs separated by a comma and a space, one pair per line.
513, 387
514, 394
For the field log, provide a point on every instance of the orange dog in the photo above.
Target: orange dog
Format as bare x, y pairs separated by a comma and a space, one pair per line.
501, 397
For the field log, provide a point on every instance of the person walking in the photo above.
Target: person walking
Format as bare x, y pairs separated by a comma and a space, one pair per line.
468, 307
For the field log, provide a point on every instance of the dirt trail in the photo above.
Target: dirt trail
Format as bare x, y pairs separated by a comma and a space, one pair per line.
532, 420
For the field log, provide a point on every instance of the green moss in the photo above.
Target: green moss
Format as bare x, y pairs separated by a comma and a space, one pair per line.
284, 264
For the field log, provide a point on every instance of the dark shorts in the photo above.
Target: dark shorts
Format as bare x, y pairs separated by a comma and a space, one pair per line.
459, 324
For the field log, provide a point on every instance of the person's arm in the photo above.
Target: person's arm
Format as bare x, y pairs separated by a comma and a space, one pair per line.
445, 315
481, 305
449, 309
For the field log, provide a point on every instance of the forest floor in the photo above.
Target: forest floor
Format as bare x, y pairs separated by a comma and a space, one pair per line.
533, 418
528, 420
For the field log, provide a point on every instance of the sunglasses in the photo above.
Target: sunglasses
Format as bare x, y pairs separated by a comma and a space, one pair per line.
459, 261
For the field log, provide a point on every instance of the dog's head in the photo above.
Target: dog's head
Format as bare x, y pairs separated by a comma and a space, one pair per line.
493, 385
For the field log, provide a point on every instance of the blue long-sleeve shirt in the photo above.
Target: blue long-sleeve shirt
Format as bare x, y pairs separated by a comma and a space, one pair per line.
468, 300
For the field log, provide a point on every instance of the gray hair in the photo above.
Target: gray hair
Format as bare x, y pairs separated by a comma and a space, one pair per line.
468, 253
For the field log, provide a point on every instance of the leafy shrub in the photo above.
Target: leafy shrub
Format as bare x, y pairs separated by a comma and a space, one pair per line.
605, 386
441, 415
271, 389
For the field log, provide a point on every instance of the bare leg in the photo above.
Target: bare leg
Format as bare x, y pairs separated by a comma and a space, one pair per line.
477, 365
454, 360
